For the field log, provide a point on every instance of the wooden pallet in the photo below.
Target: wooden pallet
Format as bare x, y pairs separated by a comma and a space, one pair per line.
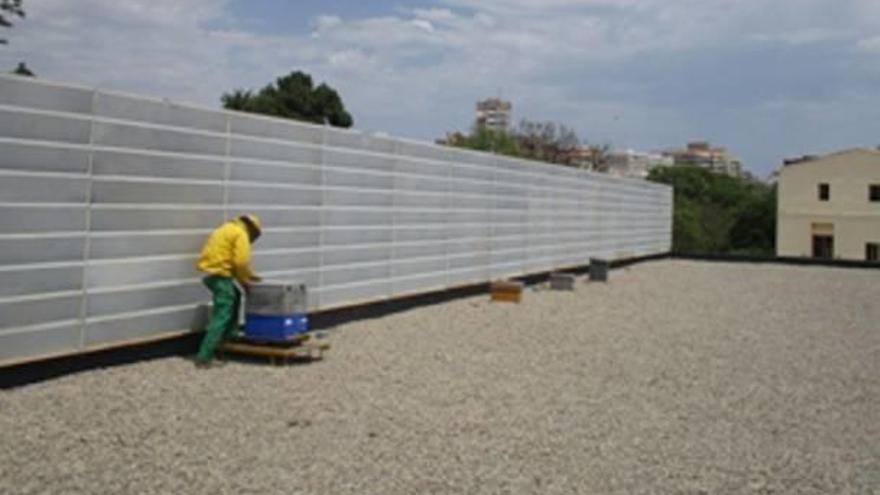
506, 291
299, 349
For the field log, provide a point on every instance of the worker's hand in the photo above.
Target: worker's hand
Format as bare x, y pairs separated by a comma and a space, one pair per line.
256, 278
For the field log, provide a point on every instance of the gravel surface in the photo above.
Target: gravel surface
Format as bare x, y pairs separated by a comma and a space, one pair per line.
676, 377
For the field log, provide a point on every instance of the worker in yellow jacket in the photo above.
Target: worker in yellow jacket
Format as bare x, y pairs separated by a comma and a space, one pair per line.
225, 257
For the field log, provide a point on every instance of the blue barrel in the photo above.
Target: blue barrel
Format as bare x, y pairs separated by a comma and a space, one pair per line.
276, 328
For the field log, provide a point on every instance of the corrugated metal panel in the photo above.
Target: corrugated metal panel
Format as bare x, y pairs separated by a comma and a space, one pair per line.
105, 200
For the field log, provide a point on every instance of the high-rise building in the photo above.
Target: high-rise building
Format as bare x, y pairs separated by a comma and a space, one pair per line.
703, 154
493, 114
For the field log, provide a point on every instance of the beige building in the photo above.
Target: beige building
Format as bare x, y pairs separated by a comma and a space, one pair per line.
702, 154
829, 206
637, 164
493, 114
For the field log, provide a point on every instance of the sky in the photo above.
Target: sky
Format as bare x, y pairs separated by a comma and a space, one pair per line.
768, 79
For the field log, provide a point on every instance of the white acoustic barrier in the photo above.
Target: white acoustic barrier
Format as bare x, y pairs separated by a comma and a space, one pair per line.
105, 200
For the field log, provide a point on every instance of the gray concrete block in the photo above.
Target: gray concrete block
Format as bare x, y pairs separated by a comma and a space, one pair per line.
562, 281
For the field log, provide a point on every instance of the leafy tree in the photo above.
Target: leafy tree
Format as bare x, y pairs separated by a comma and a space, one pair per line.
755, 229
22, 70
716, 213
483, 139
543, 141
293, 97
9, 9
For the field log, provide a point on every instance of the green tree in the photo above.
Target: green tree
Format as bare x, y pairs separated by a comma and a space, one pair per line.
483, 139
22, 70
755, 229
542, 141
715, 213
9, 9
293, 97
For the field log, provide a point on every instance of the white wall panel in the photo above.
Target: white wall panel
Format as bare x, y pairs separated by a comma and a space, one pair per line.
32, 342
29, 250
129, 244
42, 157
153, 164
35, 94
125, 107
124, 135
138, 217
28, 280
27, 124
27, 312
134, 185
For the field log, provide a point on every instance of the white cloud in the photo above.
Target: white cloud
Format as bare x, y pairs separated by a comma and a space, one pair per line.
870, 44
423, 24
803, 37
613, 68
325, 22
435, 14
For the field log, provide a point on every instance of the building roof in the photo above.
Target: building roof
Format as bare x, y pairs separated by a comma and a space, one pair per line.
812, 158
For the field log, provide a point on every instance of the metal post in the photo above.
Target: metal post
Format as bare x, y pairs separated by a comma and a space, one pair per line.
87, 241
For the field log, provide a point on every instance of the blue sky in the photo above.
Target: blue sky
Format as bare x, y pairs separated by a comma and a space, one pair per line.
768, 79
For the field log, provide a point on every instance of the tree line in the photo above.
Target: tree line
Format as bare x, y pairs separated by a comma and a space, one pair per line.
534, 140
719, 214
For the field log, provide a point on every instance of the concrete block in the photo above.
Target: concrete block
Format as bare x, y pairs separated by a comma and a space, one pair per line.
562, 281
599, 270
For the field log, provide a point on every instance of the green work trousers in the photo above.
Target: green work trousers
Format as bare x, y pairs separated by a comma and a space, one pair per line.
224, 316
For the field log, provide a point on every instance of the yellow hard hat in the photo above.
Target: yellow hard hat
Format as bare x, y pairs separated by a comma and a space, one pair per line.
254, 224
255, 220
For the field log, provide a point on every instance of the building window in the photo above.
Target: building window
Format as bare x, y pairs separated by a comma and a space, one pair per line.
824, 192
874, 193
872, 251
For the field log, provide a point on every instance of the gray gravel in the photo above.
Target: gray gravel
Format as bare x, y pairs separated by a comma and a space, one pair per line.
676, 377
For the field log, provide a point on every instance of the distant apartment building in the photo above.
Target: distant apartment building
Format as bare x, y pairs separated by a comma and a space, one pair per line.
581, 156
703, 154
637, 164
829, 206
493, 114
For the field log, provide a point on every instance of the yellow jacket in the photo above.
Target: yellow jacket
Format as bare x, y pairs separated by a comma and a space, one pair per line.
227, 252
